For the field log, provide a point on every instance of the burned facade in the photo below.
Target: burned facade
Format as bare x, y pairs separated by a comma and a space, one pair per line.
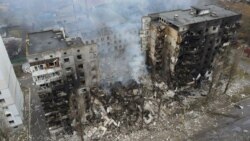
181, 45
59, 65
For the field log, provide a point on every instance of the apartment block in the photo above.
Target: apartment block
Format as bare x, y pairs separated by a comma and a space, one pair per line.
59, 65
181, 45
11, 96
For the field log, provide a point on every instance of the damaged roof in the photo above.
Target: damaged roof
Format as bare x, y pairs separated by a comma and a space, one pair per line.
50, 40
181, 18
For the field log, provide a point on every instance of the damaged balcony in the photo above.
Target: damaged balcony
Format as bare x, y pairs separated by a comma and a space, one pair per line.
45, 80
56, 107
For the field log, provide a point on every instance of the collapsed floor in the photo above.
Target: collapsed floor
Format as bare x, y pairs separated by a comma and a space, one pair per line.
126, 108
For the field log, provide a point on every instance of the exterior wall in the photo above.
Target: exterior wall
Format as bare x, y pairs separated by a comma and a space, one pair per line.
144, 34
90, 70
10, 91
73, 63
5, 66
172, 42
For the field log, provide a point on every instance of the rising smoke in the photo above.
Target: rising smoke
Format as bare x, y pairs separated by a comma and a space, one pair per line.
87, 19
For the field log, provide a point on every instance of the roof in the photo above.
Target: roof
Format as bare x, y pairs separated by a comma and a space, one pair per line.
50, 40
186, 17
202, 7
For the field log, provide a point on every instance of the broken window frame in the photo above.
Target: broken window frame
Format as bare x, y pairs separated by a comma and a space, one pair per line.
2, 100
79, 57
80, 66
41, 67
51, 64
68, 69
8, 115
11, 122
66, 60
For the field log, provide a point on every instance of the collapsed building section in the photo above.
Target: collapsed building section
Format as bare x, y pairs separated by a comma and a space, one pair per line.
59, 65
181, 45
97, 111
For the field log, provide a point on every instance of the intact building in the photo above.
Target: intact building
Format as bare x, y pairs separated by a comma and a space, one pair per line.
59, 65
11, 96
181, 45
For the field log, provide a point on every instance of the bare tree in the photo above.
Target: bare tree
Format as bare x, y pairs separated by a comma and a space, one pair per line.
159, 106
233, 70
220, 64
215, 80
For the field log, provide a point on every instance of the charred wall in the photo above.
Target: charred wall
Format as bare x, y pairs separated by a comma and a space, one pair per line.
184, 54
199, 46
55, 104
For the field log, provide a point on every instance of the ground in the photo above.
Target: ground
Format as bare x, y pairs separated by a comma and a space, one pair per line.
231, 124
36, 125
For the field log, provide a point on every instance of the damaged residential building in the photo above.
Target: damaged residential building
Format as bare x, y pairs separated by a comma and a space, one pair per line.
115, 40
59, 65
181, 45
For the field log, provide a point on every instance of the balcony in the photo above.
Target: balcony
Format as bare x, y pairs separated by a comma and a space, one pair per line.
48, 80
46, 71
69, 70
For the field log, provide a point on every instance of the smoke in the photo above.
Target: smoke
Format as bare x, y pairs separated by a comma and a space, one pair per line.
90, 19
127, 62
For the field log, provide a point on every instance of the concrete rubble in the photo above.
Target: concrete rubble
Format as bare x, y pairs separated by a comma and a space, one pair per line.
128, 107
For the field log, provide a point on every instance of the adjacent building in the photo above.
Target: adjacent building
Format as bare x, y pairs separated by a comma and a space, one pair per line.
181, 45
55, 59
113, 44
11, 96
59, 65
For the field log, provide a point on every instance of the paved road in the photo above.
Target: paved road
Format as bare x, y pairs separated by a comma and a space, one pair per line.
38, 128
234, 127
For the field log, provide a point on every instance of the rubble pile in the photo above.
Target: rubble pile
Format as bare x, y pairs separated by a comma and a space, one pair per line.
126, 108
121, 107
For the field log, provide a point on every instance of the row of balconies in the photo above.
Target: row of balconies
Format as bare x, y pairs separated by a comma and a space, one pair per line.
46, 71
48, 79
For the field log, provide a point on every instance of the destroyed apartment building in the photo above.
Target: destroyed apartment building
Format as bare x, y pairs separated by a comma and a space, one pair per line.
60, 65
181, 45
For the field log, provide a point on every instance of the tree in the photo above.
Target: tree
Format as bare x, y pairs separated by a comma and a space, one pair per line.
217, 72
233, 70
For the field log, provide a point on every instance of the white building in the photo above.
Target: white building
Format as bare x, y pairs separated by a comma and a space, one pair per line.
11, 96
